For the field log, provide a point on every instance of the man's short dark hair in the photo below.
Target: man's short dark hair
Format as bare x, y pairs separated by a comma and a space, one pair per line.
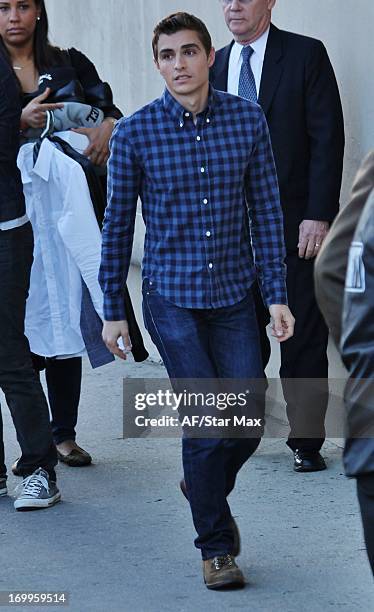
181, 21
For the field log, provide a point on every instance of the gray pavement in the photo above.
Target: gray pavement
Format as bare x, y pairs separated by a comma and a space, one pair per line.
121, 540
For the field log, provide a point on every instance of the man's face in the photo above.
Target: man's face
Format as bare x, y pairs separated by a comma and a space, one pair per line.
183, 62
247, 19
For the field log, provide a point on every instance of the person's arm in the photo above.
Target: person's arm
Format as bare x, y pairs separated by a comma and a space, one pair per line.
325, 128
98, 93
266, 223
331, 264
124, 178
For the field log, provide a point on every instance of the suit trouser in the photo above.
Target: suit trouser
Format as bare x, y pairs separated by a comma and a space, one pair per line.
365, 494
303, 357
18, 380
212, 344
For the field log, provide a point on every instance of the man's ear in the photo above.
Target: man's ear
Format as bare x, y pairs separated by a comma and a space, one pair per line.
155, 61
211, 57
271, 4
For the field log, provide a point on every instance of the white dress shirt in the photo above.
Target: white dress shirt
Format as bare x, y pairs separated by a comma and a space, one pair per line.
67, 249
256, 61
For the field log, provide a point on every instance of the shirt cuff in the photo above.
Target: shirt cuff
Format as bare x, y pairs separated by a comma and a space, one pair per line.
276, 294
114, 308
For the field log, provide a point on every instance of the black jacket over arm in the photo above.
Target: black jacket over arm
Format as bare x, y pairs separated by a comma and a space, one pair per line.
73, 77
300, 98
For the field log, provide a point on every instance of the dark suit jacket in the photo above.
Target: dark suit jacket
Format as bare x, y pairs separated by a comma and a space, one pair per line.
300, 98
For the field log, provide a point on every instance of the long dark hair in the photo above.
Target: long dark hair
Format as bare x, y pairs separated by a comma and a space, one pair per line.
45, 54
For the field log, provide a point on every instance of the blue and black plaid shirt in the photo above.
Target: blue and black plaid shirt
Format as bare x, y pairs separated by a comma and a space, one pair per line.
197, 184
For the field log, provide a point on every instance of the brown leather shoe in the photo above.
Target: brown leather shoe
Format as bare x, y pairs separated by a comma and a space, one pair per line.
222, 572
236, 546
76, 458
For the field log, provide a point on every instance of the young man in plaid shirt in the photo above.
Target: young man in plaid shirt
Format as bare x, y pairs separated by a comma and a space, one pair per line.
200, 160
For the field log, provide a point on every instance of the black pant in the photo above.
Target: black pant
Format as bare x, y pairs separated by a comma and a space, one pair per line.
64, 378
365, 494
18, 380
303, 357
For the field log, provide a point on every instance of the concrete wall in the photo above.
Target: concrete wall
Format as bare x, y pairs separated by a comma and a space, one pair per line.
116, 35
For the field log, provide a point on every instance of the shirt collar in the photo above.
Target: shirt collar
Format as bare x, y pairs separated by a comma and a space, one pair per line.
42, 165
258, 46
179, 113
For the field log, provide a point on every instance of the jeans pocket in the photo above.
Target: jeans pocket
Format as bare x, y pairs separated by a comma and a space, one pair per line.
149, 287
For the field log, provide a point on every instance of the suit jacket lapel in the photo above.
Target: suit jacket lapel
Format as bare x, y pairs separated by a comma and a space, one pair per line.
221, 69
272, 68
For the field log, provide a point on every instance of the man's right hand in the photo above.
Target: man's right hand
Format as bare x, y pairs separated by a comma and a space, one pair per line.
113, 330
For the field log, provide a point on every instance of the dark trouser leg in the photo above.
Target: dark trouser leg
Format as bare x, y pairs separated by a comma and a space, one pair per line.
208, 344
365, 494
64, 378
2, 454
18, 380
305, 357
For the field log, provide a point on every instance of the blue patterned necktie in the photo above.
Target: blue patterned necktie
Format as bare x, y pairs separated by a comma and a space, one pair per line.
247, 83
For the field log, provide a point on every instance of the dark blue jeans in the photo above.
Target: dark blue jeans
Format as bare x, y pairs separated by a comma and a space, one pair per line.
213, 343
18, 379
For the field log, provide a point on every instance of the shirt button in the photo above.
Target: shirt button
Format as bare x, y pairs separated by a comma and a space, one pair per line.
208, 234
205, 201
210, 265
181, 124
202, 170
198, 138
208, 120
186, 114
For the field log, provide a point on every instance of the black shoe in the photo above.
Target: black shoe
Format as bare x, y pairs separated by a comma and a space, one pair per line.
236, 546
3, 487
15, 469
308, 461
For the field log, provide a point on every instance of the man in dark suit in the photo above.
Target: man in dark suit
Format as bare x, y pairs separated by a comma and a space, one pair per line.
291, 77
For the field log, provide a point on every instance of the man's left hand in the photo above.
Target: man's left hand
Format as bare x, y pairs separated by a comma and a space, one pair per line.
98, 149
282, 322
311, 236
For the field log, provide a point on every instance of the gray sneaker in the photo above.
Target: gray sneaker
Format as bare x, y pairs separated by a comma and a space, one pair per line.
37, 491
3, 487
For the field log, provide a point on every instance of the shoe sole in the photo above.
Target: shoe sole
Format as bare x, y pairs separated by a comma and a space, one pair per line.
235, 583
302, 470
36, 504
77, 462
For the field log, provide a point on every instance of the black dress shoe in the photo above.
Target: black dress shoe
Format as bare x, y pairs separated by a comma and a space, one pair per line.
236, 546
308, 461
